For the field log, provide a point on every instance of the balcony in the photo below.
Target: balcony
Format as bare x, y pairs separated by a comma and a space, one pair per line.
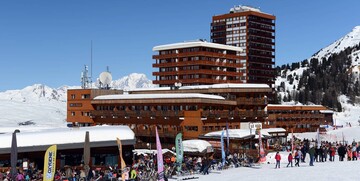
261, 28
198, 80
198, 62
251, 101
199, 72
232, 115
193, 54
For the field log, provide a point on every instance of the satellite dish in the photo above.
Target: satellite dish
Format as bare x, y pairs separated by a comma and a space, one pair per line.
105, 78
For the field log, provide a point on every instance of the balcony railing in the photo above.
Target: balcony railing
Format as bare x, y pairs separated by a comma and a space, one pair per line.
198, 53
200, 71
251, 101
232, 114
198, 62
135, 114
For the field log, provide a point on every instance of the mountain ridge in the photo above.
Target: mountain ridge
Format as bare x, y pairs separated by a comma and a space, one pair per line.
42, 105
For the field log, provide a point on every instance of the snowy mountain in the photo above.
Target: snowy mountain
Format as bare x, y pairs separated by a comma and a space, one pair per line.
350, 40
44, 106
330, 77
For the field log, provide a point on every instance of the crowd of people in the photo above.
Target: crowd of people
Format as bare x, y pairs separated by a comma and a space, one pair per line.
325, 151
145, 166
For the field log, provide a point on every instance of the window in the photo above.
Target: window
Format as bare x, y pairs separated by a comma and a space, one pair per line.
75, 105
191, 128
72, 113
85, 96
72, 96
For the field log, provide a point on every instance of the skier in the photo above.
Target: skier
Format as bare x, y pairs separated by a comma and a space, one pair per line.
277, 158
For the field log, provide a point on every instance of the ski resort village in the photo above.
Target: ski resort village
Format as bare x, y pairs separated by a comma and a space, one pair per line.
216, 109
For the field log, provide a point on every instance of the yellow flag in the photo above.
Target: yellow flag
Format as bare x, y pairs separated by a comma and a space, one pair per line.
50, 163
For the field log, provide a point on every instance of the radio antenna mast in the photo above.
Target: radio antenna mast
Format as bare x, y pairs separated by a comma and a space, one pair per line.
91, 62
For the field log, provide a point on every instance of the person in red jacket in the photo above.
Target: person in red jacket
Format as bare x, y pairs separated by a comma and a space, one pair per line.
277, 158
332, 153
290, 159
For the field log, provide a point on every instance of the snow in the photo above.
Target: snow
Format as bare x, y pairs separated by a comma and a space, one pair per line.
151, 152
274, 130
236, 133
67, 135
195, 145
190, 44
344, 171
349, 40
214, 86
157, 96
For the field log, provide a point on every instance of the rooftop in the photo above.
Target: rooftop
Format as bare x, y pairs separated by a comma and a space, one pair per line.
197, 43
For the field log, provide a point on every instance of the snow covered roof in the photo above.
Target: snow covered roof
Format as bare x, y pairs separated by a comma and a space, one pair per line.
213, 86
154, 152
196, 44
240, 8
327, 111
274, 130
158, 96
67, 138
238, 133
196, 145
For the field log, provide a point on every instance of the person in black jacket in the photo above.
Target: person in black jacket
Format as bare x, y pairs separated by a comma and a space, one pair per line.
341, 152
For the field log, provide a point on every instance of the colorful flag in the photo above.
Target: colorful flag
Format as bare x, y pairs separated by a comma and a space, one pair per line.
261, 150
122, 162
222, 149
292, 141
227, 138
179, 150
50, 163
160, 163
14, 156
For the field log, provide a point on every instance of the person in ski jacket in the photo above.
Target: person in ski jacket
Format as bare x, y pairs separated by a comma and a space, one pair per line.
332, 153
312, 154
290, 160
297, 158
341, 152
277, 158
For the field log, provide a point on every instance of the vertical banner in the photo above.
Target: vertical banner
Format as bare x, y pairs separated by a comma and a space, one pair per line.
318, 139
50, 163
14, 155
179, 150
292, 141
227, 138
261, 149
87, 153
160, 163
122, 162
222, 149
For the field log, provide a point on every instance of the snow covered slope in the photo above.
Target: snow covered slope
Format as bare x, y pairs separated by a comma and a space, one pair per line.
42, 106
349, 40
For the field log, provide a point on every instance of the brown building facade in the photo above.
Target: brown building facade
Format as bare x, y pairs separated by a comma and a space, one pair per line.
198, 63
253, 31
191, 110
298, 118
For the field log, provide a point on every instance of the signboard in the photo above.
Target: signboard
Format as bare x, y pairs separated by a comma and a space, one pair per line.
255, 125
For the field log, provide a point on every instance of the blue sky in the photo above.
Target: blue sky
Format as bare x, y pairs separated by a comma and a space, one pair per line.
48, 42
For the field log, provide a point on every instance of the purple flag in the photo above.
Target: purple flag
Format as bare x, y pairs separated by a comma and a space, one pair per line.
160, 163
